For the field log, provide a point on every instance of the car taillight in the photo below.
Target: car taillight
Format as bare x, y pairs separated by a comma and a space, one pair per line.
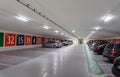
113, 51
98, 48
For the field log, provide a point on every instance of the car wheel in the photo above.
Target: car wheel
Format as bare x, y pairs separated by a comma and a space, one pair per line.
115, 71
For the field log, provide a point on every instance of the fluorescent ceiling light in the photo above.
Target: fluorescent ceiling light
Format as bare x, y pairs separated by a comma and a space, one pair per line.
56, 31
92, 32
62, 33
46, 27
73, 31
89, 36
107, 18
22, 18
66, 35
97, 28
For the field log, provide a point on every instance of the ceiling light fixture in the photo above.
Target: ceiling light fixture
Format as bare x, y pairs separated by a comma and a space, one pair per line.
92, 32
62, 33
89, 36
22, 18
56, 31
97, 28
46, 27
107, 18
29, 6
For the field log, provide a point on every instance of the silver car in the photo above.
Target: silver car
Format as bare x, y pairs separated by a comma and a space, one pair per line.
53, 44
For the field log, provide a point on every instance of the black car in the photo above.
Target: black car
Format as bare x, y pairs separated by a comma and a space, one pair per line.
112, 51
99, 47
116, 67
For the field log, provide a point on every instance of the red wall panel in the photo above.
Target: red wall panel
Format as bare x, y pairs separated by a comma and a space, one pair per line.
10, 39
38, 40
28, 40
46, 39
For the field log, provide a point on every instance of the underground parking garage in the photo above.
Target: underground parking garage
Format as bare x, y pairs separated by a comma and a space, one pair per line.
59, 38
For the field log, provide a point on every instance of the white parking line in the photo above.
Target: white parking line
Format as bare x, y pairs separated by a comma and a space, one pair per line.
104, 64
15, 56
6, 64
110, 75
43, 74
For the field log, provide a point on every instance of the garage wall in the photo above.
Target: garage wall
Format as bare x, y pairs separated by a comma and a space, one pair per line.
17, 47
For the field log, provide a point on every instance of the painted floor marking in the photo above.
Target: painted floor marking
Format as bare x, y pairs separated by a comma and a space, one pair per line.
6, 64
94, 68
15, 56
43, 74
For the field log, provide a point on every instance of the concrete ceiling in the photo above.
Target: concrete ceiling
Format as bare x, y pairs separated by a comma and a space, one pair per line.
81, 15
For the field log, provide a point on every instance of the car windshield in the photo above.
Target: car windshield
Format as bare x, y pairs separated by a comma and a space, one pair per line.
117, 46
51, 42
110, 46
100, 43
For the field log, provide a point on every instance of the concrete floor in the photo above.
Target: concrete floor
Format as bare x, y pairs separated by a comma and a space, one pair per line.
67, 61
105, 64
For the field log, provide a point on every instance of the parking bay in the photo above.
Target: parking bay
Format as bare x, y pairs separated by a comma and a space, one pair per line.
104, 64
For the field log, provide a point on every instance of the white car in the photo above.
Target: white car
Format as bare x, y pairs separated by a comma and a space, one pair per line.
53, 44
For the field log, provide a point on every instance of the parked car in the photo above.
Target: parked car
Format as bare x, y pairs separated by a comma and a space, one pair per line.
59, 43
91, 45
116, 67
53, 44
70, 42
65, 42
112, 51
99, 47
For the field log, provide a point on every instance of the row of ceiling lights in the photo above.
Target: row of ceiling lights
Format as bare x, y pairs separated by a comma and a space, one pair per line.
25, 19
45, 27
56, 31
106, 18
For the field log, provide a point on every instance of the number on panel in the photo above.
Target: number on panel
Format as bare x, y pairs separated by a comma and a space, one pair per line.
10, 39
